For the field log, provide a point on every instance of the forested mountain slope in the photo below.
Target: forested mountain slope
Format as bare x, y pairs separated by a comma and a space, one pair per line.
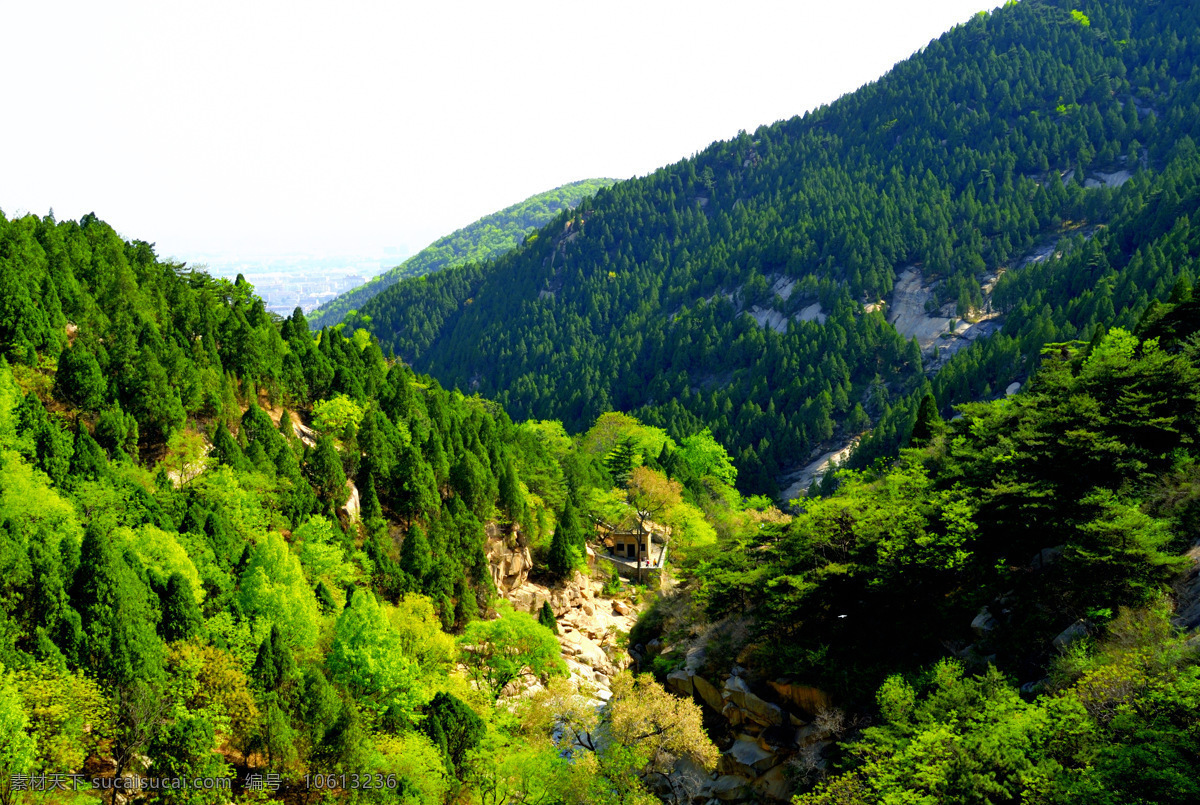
186, 589
1113, 276
959, 161
232, 547
486, 239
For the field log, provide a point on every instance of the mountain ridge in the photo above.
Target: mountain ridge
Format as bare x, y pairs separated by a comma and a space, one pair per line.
953, 161
487, 238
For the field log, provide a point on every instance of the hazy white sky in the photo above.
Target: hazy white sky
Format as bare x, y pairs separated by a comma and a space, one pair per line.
256, 127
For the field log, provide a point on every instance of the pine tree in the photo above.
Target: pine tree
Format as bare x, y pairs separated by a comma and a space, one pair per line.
88, 462
274, 666
561, 559
285, 426
512, 500
112, 601
79, 380
180, 613
619, 461
326, 474
928, 422
416, 557
546, 617
372, 512
325, 598
226, 449
571, 524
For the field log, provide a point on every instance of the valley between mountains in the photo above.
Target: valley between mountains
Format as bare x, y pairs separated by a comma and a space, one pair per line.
855, 459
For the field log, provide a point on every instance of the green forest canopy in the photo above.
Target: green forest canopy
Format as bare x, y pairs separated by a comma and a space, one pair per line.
959, 161
486, 239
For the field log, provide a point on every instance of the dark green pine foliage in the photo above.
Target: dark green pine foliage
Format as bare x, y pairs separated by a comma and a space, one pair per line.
49, 446
180, 613
325, 472
48, 605
641, 299
325, 598
567, 544
571, 525
1124, 276
454, 728
561, 559
512, 500
274, 666
118, 433
619, 462
928, 422
120, 643
546, 617
88, 461
226, 449
416, 557
79, 379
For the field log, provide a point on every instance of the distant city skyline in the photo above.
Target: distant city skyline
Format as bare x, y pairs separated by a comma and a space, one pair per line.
228, 130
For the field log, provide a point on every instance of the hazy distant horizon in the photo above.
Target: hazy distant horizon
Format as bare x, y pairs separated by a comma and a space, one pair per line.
277, 128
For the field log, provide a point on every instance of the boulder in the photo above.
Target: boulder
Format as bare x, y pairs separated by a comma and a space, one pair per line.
1187, 594
708, 693
681, 682
1047, 556
508, 556
735, 715
729, 788
773, 784
737, 691
1076, 631
778, 739
983, 622
746, 758
762, 711
620, 607
805, 698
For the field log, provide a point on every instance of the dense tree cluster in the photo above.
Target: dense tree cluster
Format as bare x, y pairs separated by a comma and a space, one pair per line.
486, 239
1127, 274
265, 572
231, 544
958, 161
1062, 503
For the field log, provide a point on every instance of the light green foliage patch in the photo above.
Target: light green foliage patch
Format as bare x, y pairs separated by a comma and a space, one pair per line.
161, 554
368, 659
26, 496
322, 558
333, 415
275, 591
221, 489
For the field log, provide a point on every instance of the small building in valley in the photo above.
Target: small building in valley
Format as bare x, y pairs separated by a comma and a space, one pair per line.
631, 550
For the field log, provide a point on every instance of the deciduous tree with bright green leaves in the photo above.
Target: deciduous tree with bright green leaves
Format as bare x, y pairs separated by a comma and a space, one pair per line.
367, 657
275, 592
510, 647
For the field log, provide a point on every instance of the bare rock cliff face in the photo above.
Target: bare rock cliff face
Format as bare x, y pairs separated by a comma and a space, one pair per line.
587, 623
508, 557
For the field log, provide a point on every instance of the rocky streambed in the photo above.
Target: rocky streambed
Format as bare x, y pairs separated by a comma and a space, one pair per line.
770, 731
588, 624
